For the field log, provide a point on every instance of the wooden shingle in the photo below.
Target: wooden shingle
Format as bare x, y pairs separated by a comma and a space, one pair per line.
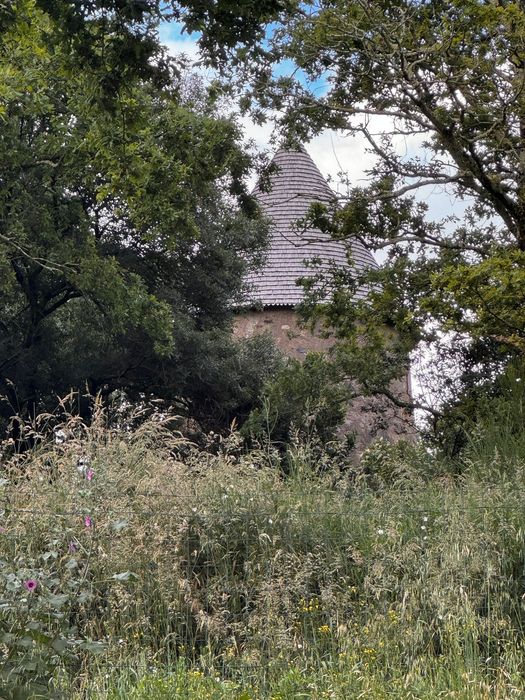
294, 186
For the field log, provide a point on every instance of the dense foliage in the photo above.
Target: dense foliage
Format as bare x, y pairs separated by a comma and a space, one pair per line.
137, 564
125, 225
304, 399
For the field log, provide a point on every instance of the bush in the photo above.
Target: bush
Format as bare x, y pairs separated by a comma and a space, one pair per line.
487, 421
496, 434
303, 400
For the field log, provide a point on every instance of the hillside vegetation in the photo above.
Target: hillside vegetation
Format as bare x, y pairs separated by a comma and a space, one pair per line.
136, 565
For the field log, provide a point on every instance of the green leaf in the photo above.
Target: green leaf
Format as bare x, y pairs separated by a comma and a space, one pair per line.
60, 645
93, 647
57, 601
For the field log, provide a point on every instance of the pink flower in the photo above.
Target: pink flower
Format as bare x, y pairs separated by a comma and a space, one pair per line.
30, 585
88, 522
72, 548
90, 474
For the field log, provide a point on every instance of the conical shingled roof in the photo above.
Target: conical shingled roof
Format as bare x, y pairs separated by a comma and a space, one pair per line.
294, 186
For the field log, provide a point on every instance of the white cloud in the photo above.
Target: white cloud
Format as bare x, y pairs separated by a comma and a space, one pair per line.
333, 152
188, 47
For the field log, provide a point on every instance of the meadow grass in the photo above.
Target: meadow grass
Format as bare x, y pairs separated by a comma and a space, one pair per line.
168, 571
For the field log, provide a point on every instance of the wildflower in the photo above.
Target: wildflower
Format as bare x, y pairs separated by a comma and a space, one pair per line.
88, 522
518, 379
82, 464
423, 527
425, 518
30, 585
324, 629
393, 616
72, 548
60, 436
380, 531
90, 474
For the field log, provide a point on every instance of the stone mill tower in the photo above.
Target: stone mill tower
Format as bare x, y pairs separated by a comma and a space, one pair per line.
294, 185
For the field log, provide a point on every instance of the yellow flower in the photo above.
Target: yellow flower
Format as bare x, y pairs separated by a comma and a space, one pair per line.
393, 617
324, 629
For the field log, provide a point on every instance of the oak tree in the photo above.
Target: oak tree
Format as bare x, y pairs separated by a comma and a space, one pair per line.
436, 91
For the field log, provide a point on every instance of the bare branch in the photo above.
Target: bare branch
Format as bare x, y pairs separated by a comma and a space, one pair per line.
43, 262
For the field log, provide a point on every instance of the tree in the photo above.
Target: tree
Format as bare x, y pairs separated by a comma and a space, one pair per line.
118, 39
125, 224
451, 77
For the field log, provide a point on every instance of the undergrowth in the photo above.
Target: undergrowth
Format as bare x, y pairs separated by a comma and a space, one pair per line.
135, 565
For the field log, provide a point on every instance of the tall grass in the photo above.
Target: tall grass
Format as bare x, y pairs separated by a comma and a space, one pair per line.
204, 574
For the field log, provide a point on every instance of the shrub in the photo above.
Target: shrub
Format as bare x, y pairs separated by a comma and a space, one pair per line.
305, 399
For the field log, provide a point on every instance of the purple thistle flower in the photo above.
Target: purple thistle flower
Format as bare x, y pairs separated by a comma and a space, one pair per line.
88, 522
30, 585
90, 474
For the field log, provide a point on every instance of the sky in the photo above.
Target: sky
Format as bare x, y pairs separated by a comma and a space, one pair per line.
333, 152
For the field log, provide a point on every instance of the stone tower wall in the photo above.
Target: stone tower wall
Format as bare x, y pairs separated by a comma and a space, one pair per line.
281, 322
368, 418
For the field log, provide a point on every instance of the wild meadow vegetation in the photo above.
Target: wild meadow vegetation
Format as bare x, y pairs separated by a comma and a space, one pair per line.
137, 565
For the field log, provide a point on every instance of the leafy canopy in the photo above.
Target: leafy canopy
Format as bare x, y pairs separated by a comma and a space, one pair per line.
125, 224
437, 92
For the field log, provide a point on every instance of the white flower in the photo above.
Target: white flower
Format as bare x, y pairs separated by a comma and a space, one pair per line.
60, 436
423, 527
425, 519
83, 462
380, 531
518, 379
